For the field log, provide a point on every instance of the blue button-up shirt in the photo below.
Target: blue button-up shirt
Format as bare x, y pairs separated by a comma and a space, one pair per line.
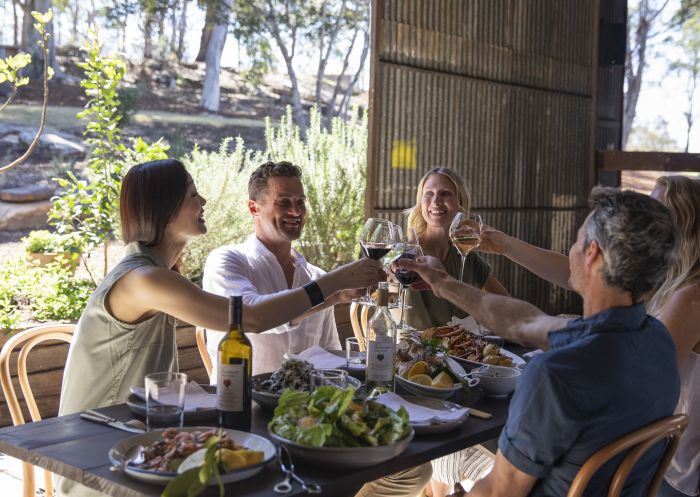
601, 378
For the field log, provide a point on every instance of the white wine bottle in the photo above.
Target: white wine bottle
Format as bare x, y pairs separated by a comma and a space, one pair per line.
381, 346
234, 373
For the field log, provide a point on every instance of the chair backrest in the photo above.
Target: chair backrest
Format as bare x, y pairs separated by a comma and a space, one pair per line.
359, 315
638, 442
201, 337
25, 341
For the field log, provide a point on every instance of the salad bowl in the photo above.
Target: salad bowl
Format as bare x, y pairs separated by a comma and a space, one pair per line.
345, 457
335, 429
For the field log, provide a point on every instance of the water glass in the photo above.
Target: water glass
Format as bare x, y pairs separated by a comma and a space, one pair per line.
165, 399
329, 377
355, 354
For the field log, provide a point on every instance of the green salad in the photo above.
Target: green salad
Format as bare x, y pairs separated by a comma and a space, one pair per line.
329, 417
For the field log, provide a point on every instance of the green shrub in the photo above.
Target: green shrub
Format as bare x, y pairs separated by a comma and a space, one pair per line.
45, 242
334, 163
222, 179
32, 293
89, 208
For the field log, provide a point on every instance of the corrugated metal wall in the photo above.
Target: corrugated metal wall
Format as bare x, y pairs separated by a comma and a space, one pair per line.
500, 90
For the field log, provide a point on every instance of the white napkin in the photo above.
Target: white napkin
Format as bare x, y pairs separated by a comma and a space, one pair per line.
420, 415
469, 324
529, 355
319, 357
195, 397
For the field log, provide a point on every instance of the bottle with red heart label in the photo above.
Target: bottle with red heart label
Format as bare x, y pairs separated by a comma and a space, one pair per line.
234, 372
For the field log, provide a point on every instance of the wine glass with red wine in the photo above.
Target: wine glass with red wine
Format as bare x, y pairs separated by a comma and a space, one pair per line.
406, 277
465, 234
377, 238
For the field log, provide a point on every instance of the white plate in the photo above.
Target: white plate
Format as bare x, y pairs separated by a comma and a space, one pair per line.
245, 439
518, 362
437, 393
345, 457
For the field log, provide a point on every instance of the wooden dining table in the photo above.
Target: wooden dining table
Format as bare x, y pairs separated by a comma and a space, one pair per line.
77, 449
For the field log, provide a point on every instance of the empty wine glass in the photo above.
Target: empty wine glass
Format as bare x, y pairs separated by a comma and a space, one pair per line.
465, 234
406, 277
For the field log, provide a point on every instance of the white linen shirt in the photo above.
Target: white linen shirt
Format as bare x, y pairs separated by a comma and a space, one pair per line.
249, 269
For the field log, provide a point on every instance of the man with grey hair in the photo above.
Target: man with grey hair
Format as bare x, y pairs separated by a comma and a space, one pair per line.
601, 376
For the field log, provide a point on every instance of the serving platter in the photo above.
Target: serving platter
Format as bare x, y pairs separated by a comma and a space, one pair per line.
345, 457
248, 440
518, 362
269, 400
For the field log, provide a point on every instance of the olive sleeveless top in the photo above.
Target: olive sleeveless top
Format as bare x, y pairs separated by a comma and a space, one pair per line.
106, 356
427, 310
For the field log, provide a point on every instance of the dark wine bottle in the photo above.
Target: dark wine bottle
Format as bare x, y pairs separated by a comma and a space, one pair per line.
234, 373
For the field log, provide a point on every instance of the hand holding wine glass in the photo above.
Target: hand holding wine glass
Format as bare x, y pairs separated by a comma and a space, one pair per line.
377, 238
465, 234
406, 277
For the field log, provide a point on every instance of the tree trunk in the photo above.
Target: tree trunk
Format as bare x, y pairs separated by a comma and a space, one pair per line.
183, 31
324, 55
76, 17
173, 20
345, 101
16, 23
30, 38
209, 22
148, 36
211, 87
288, 57
637, 53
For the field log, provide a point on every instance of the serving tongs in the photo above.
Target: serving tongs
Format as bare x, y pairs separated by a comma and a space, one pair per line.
287, 467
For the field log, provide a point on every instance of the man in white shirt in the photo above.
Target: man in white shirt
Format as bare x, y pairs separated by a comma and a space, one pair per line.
266, 264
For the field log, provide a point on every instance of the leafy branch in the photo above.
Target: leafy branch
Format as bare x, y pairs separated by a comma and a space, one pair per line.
8, 73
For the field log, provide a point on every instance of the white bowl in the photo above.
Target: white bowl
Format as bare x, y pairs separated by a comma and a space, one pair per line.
345, 457
497, 381
426, 391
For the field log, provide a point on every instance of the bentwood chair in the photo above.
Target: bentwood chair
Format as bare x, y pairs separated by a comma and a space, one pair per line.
638, 442
201, 337
25, 341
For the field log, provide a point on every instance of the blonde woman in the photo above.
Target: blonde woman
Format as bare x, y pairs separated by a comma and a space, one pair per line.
441, 194
676, 303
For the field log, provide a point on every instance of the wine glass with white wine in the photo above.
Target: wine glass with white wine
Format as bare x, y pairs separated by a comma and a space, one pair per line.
465, 234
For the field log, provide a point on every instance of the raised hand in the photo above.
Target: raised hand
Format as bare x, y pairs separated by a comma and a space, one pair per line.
492, 241
359, 274
428, 268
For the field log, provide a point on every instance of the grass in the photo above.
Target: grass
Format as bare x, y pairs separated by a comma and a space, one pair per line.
64, 117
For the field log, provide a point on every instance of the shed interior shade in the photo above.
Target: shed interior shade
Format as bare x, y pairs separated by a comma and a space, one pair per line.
501, 92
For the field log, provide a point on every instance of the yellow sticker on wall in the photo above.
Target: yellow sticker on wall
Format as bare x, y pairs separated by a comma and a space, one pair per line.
403, 154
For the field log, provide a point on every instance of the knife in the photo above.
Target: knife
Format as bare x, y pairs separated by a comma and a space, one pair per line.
106, 420
479, 414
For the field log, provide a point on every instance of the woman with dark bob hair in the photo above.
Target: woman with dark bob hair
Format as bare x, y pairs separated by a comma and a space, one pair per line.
128, 327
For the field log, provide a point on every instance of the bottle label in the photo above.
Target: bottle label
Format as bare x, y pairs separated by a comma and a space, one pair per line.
380, 358
230, 387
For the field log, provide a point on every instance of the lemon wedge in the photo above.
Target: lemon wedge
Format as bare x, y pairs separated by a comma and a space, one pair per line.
419, 367
442, 380
233, 459
421, 379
